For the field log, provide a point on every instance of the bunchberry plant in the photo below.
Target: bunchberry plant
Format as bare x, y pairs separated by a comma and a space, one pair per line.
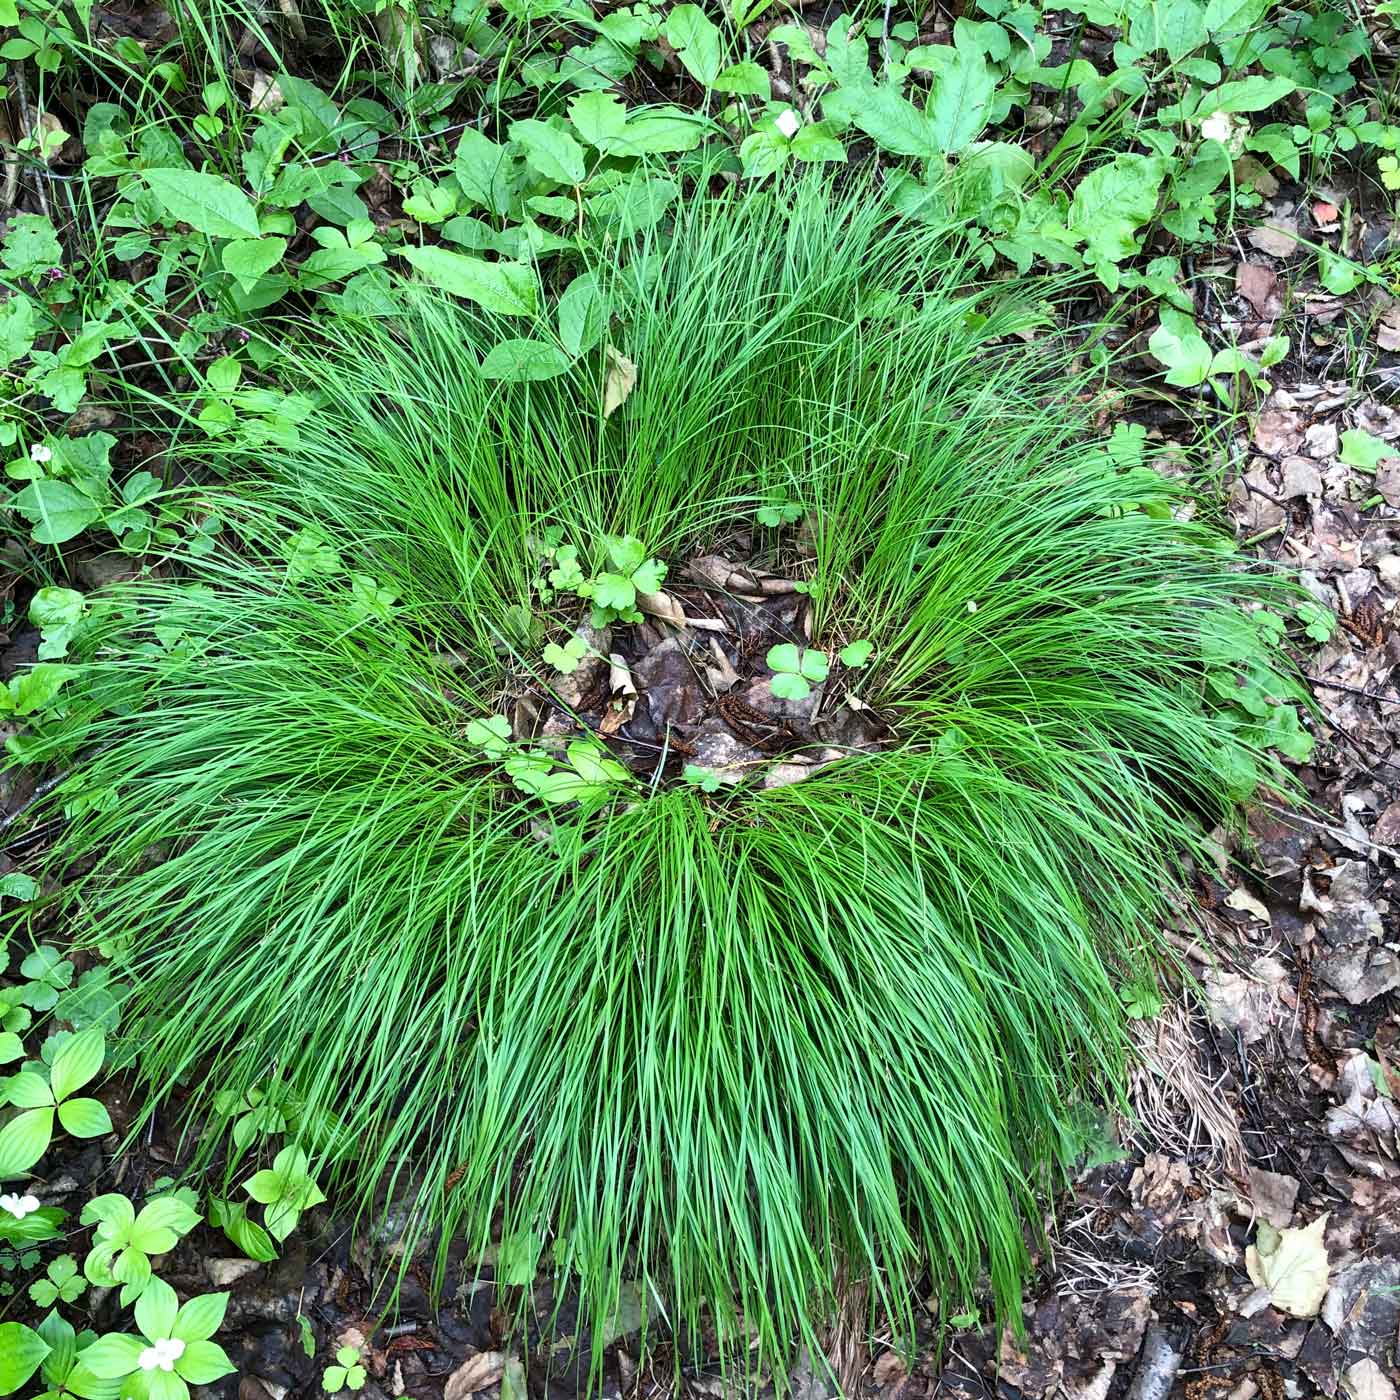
173, 1350
124, 1241
285, 1190
25, 1138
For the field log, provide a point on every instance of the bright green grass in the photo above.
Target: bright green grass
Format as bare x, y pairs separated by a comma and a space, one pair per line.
725, 1045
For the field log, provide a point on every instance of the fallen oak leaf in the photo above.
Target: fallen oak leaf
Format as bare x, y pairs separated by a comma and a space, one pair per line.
1291, 1265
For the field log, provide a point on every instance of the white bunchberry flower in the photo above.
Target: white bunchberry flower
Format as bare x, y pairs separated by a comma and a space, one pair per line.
19, 1206
161, 1355
787, 122
40, 453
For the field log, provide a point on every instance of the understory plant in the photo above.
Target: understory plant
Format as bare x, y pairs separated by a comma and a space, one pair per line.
719, 1044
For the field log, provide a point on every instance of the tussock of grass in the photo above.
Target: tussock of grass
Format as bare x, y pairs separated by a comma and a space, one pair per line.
717, 1045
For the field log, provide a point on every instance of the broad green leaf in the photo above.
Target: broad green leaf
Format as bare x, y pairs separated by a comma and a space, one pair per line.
23, 1140
203, 1363
1365, 450
961, 99
507, 288
857, 653
483, 170
84, 1118
636, 204
156, 1310
1338, 274
1177, 27
21, 1351
599, 117
517, 361
745, 79
114, 1212
583, 317
815, 143
661, 132
57, 511
783, 657
1247, 95
248, 259
693, 35
1180, 346
895, 124
31, 691
11, 1047
206, 202
113, 1356
77, 1062
1113, 202
787, 686
161, 1223
550, 152
28, 1090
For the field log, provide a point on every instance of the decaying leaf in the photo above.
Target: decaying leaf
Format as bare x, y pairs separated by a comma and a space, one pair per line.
1292, 1265
621, 380
476, 1373
1246, 903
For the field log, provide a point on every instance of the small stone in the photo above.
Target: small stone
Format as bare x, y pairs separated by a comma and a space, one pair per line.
224, 1272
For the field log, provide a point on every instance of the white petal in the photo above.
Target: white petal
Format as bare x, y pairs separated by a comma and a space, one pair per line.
149, 1359
788, 122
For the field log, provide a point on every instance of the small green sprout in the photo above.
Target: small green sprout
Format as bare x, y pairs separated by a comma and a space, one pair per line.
63, 1283
614, 592
1141, 1000
567, 574
857, 653
492, 735
285, 1190
124, 1241
779, 511
348, 1373
706, 779
566, 659
796, 671
1318, 622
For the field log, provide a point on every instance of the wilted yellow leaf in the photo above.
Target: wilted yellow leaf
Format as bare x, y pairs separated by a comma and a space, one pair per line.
1292, 1265
622, 379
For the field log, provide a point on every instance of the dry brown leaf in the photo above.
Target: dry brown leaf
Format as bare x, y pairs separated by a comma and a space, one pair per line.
1278, 237
1364, 1380
476, 1373
1292, 1265
1258, 285
621, 380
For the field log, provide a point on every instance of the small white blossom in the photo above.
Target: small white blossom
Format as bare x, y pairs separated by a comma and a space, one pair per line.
19, 1206
161, 1355
40, 453
787, 122
1227, 128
